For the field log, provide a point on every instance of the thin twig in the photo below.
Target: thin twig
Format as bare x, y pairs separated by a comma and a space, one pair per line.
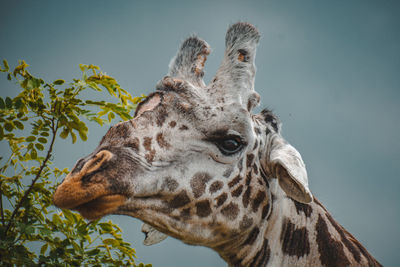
27, 192
1, 206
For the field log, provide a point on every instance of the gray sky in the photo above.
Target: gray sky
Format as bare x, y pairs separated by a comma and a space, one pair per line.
329, 69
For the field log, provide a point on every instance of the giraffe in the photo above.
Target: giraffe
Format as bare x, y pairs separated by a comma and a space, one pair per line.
196, 164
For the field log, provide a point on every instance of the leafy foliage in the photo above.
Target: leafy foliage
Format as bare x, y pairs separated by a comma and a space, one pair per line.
30, 123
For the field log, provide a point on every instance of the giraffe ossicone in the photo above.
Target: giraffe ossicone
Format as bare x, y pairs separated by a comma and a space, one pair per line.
196, 164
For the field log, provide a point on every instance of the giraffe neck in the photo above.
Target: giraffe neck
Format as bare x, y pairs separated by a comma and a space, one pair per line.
296, 234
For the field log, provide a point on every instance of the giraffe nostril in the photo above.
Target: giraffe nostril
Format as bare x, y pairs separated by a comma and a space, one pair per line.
78, 166
97, 161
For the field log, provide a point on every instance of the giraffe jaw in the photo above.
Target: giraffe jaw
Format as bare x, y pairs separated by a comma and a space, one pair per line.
100, 206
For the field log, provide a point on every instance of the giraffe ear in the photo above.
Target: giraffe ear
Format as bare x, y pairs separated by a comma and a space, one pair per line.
286, 164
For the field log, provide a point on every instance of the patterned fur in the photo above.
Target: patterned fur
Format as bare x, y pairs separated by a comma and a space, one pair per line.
196, 164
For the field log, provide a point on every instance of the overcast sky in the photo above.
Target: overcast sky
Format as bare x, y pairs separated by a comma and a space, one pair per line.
329, 69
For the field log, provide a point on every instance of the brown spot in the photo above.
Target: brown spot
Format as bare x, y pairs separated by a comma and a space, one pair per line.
249, 160
237, 191
230, 211
161, 141
350, 242
265, 211
203, 208
198, 183
161, 116
262, 256
246, 197
221, 199
249, 102
248, 178
252, 236
184, 106
150, 156
201, 59
172, 124
245, 223
217, 185
255, 169
305, 208
185, 214
173, 84
234, 181
170, 184
294, 241
133, 143
257, 200
147, 143
331, 251
183, 128
179, 200
118, 131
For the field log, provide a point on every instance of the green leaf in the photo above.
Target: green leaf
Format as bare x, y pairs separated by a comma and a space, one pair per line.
56, 219
8, 126
8, 103
82, 135
1, 133
19, 125
106, 227
34, 154
99, 121
111, 116
64, 133
59, 82
30, 138
2, 103
44, 248
73, 136
69, 216
93, 252
29, 230
110, 241
6, 65
18, 103
44, 134
42, 140
39, 146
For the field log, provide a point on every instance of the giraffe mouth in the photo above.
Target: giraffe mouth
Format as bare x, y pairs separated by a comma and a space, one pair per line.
91, 202
101, 206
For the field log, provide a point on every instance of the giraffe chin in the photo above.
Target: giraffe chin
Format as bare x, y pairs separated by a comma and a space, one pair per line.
101, 206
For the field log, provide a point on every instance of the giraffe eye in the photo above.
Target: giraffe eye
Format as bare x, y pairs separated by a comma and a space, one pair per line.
230, 145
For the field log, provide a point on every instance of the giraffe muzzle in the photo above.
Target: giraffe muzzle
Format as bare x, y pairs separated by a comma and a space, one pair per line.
93, 199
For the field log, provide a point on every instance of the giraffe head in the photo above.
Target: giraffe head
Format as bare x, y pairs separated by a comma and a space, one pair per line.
194, 163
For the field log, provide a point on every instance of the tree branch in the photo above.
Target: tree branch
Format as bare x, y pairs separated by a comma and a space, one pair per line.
1, 206
54, 128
